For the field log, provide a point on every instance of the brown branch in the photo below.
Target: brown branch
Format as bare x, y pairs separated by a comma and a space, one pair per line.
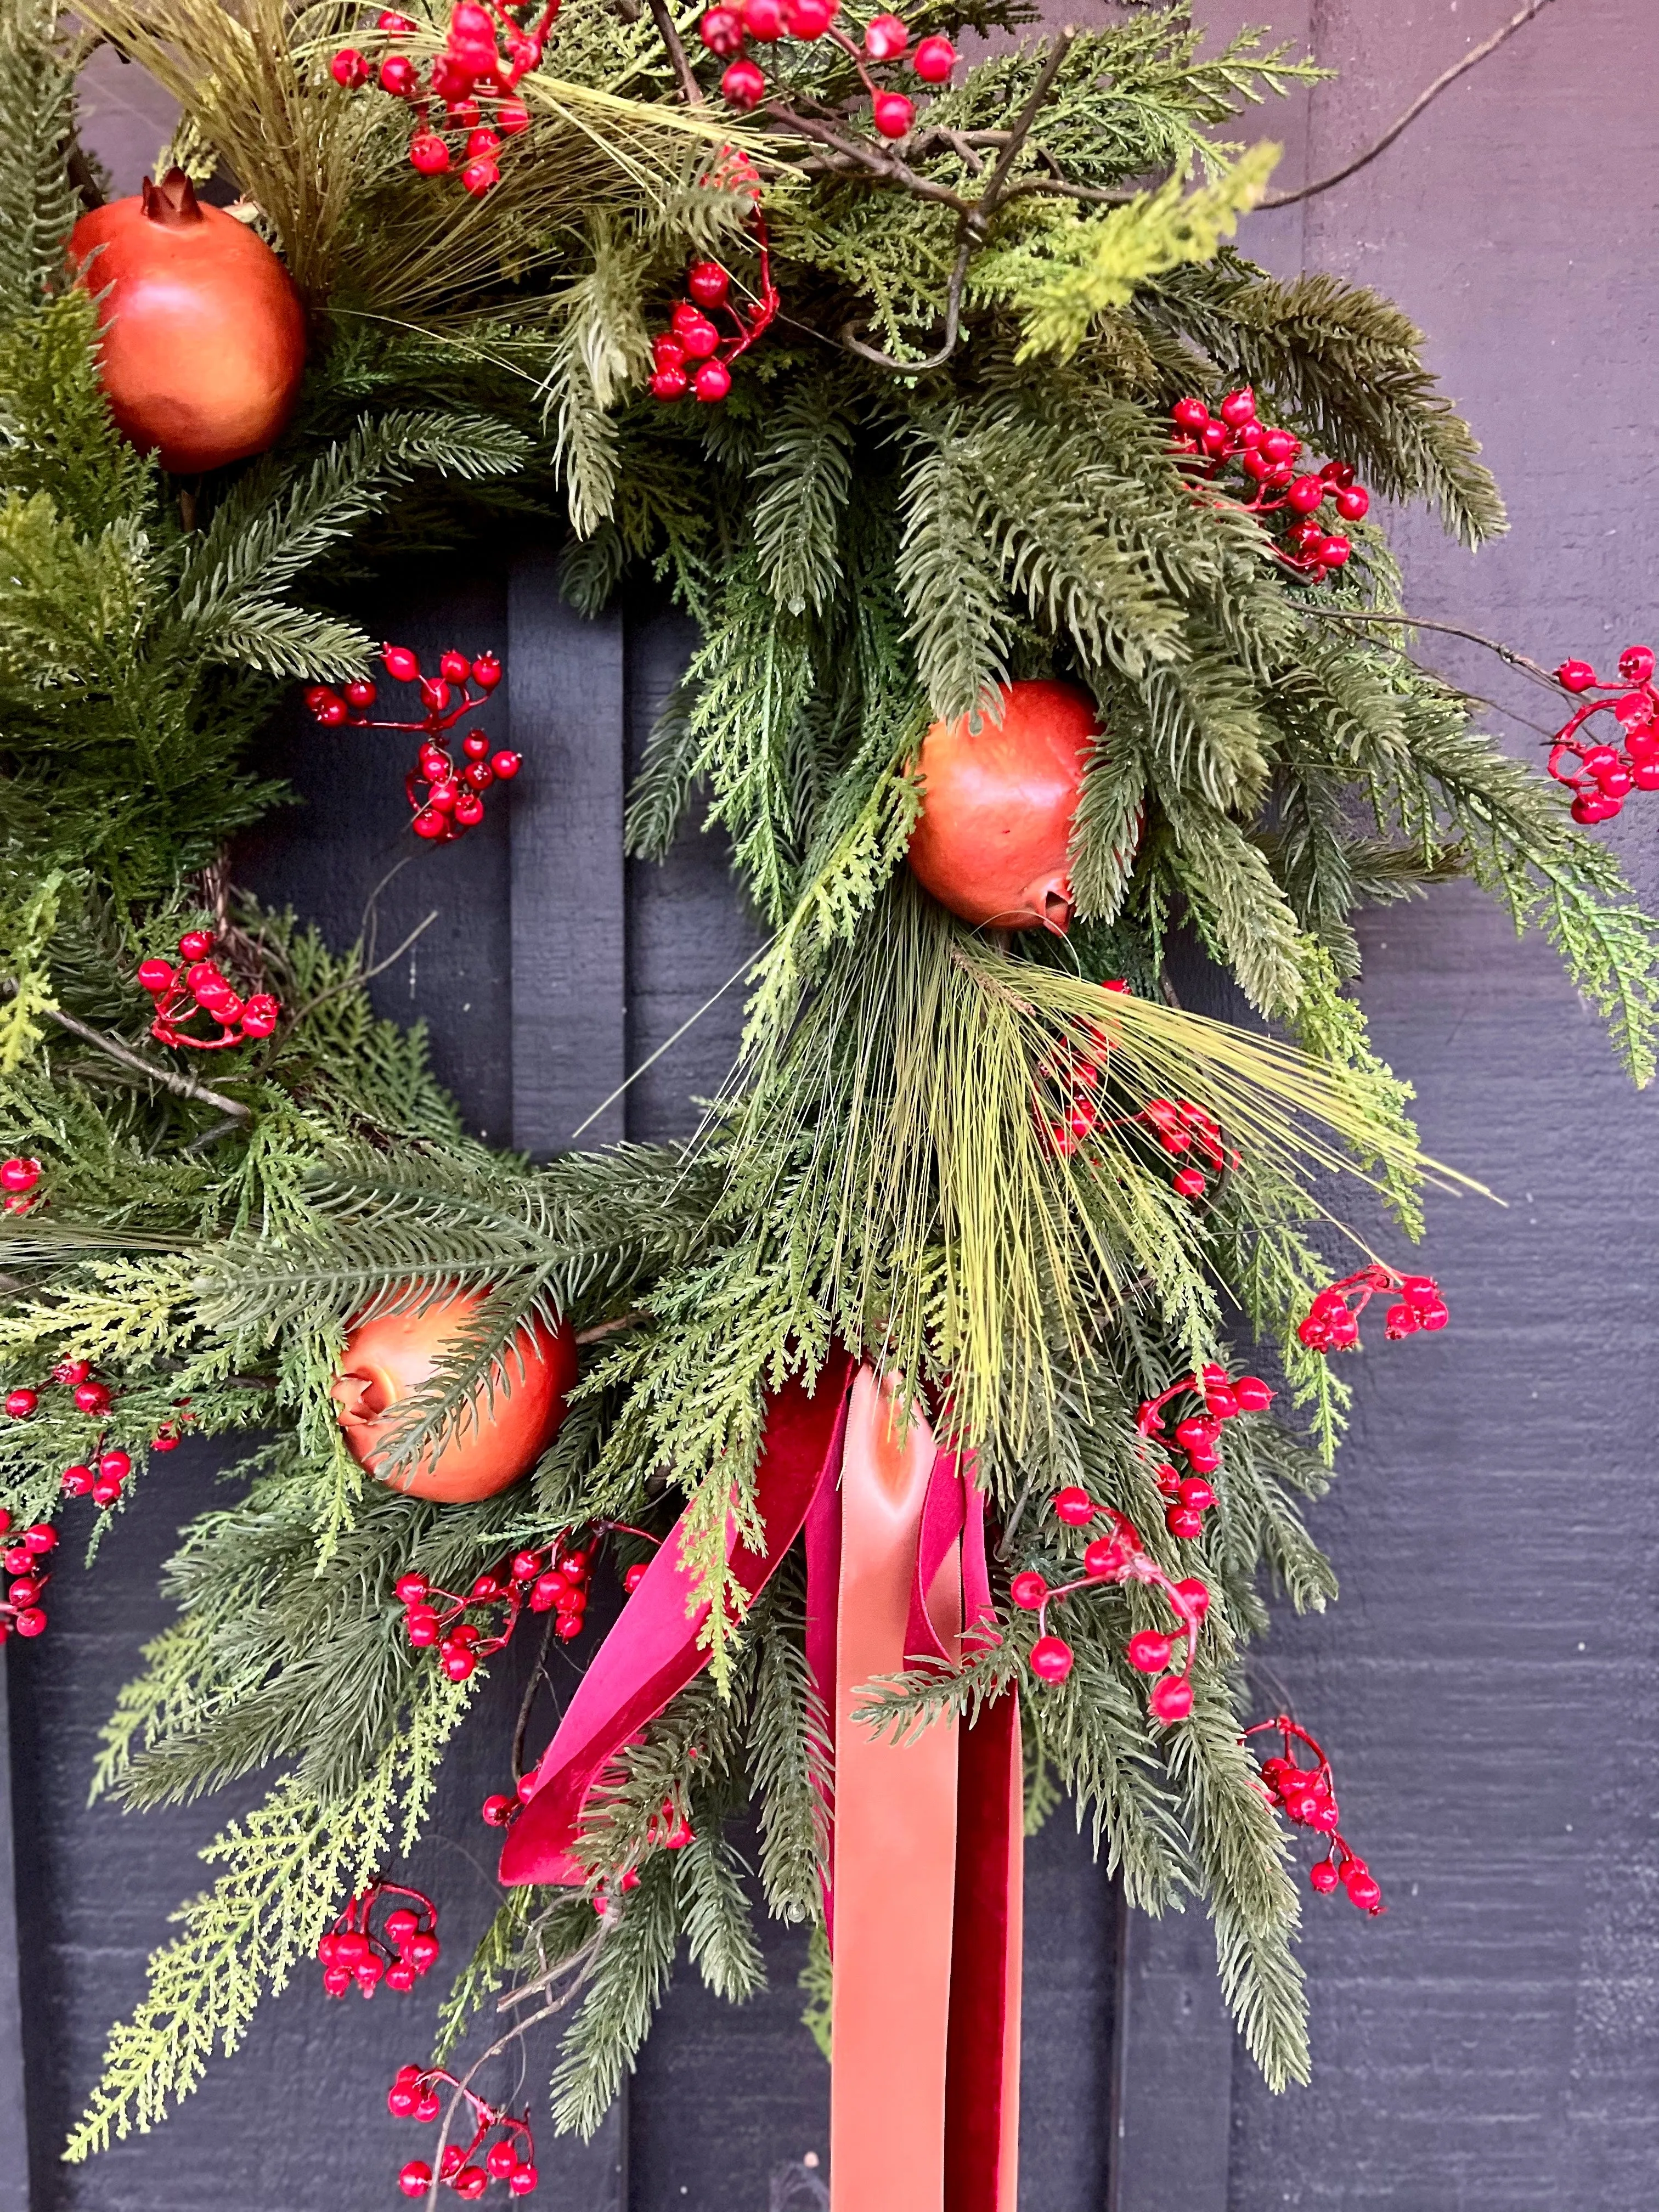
690, 90
1506, 653
1516, 22
174, 1080
974, 222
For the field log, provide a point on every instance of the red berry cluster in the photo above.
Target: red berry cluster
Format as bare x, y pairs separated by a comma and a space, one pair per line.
26, 1561
198, 986
1197, 1437
488, 51
453, 801
101, 1481
1306, 1798
1119, 1556
1333, 1319
726, 31
1602, 777
1268, 457
510, 2157
18, 1177
551, 1581
406, 1946
692, 355
1179, 1126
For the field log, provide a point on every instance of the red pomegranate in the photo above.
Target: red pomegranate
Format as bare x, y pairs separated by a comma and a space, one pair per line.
387, 1359
203, 334
997, 808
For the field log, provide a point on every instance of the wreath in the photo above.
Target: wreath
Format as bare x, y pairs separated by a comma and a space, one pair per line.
905, 1411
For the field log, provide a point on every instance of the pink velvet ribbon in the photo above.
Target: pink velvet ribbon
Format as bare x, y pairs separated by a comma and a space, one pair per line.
922, 1892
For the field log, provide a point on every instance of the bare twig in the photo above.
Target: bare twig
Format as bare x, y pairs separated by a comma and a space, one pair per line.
601, 1329
1518, 22
355, 975
538, 1676
974, 221
690, 90
1506, 653
174, 1080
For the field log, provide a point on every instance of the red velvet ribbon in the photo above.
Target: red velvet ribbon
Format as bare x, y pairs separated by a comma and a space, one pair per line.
926, 1832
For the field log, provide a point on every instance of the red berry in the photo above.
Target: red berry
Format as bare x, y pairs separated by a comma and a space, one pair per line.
1238, 408
744, 86
706, 281
349, 69
115, 1466
722, 31
1353, 504
886, 39
400, 1926
1334, 551
17, 1559
1365, 1891
523, 2179
1172, 1699
426, 823
31, 1622
634, 1577
1575, 675
1148, 1652
1074, 1506
1051, 1659
416, 2177
401, 663
421, 1626
1197, 1493
479, 144
1185, 1521
91, 1397
422, 1950
401, 2100
23, 1591
934, 60
500, 2159
570, 1626
712, 381
471, 2181
77, 1480
458, 1665
20, 1404
670, 384
400, 76
71, 1371
1322, 1876
410, 1589
428, 2106
1252, 1394
1305, 494
506, 765
478, 177
156, 976
337, 1980
40, 1538
1189, 1184
496, 1811
512, 116
105, 1493
1191, 415
808, 19
1636, 664
1220, 1402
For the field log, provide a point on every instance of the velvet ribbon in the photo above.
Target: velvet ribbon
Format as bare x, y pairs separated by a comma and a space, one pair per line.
923, 1892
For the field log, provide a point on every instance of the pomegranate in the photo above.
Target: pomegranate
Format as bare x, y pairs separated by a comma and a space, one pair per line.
388, 1359
203, 334
997, 808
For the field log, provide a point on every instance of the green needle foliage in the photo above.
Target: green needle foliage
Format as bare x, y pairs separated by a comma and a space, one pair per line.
865, 545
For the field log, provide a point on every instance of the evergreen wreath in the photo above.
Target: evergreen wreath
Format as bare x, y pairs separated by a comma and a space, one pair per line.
948, 466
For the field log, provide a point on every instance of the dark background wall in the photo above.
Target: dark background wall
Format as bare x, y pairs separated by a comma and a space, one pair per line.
1489, 1684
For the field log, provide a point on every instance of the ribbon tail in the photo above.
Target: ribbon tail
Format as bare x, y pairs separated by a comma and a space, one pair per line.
655, 1649
982, 2107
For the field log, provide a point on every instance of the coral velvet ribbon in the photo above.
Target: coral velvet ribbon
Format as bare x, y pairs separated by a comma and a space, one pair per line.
922, 1893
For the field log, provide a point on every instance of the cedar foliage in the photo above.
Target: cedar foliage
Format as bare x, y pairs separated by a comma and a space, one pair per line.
862, 551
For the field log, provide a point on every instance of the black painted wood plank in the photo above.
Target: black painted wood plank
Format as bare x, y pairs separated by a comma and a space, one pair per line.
569, 938
13, 2108
1175, 2055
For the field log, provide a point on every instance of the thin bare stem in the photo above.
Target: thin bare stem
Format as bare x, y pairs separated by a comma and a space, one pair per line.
974, 222
174, 1080
1518, 22
1506, 653
538, 1676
